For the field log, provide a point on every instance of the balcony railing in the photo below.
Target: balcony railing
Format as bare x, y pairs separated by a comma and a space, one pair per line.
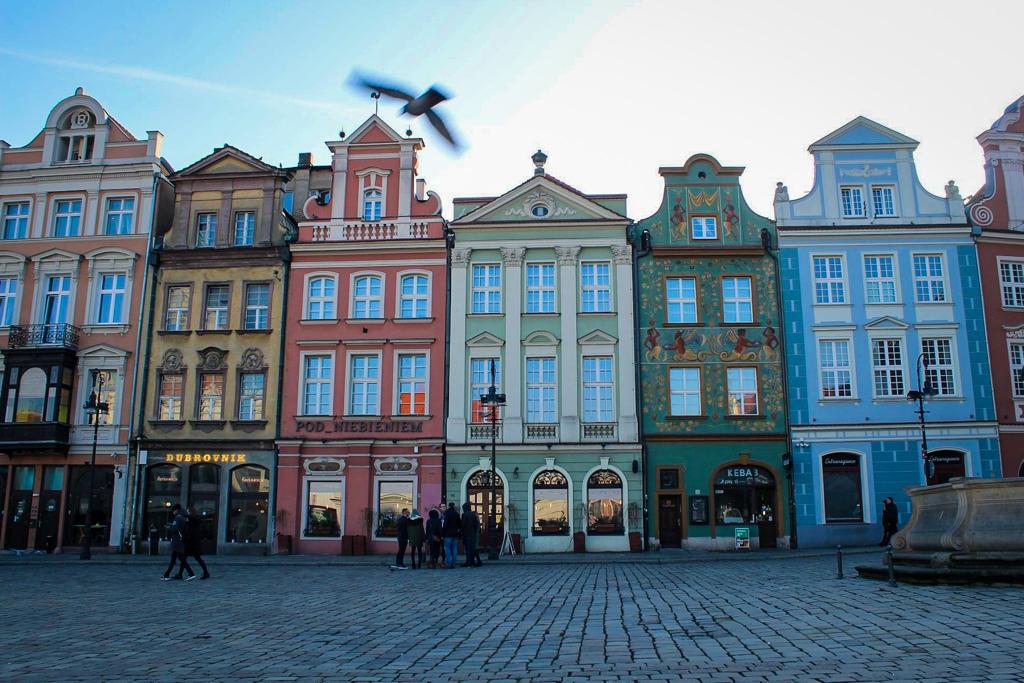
482, 432
365, 231
60, 335
599, 431
542, 432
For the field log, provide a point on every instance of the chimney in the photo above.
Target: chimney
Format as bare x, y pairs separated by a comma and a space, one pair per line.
305, 159
421, 190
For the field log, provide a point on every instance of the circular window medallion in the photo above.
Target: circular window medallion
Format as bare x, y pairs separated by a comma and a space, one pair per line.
539, 210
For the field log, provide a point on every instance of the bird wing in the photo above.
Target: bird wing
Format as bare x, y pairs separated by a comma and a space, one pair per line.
432, 97
438, 123
389, 90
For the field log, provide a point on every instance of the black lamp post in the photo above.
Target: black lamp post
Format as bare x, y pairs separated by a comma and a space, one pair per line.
493, 400
94, 407
924, 390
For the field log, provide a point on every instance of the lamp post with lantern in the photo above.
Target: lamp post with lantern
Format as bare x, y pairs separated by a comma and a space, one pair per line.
493, 400
924, 390
94, 407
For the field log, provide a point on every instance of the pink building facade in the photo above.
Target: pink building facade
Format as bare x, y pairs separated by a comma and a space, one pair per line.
362, 411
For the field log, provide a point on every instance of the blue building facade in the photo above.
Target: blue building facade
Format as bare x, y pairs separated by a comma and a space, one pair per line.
881, 297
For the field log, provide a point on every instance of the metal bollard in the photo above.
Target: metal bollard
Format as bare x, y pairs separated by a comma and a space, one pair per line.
892, 567
839, 561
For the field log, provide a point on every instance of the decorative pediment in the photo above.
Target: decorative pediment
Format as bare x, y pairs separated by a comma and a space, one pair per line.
395, 465
864, 131
540, 199
886, 322
212, 358
540, 338
252, 359
485, 339
324, 467
226, 160
173, 361
597, 337
1014, 331
102, 351
56, 255
374, 129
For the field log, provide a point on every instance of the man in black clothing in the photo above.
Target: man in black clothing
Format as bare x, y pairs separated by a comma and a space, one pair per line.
403, 538
470, 535
179, 528
451, 531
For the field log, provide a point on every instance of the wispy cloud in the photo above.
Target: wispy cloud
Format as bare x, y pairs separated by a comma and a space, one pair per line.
139, 73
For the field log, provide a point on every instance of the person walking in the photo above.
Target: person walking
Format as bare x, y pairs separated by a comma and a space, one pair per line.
415, 531
433, 532
890, 520
403, 538
470, 535
451, 531
179, 527
194, 542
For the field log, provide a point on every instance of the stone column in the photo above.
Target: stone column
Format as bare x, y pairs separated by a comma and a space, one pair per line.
456, 428
512, 264
569, 382
92, 216
624, 363
40, 211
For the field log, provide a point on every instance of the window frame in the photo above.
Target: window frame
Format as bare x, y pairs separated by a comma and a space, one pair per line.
179, 398
835, 368
935, 368
599, 385
167, 306
120, 212
684, 392
1015, 367
355, 299
246, 285
377, 201
736, 300
10, 298
541, 289
398, 381
535, 528
211, 223
308, 299
682, 301
57, 215
249, 229
377, 481
100, 292
830, 279
880, 279
242, 374
329, 382
703, 218
859, 189
1017, 288
339, 483
942, 279
486, 289
882, 187
200, 396
207, 286
401, 297
729, 391
475, 391
595, 288
18, 218
541, 386
888, 368
351, 380
824, 469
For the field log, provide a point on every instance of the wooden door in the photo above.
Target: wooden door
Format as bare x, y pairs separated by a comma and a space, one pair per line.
670, 522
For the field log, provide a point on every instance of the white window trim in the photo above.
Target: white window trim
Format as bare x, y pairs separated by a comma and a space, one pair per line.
863, 201
301, 381
373, 179
56, 265
482, 353
834, 337
348, 381
700, 391
669, 300
541, 353
895, 277
749, 300
82, 211
954, 355
106, 213
625, 497
999, 271
867, 492
907, 379
945, 278
500, 289
245, 304
592, 352
757, 392
845, 280
414, 480
395, 398
597, 288
1009, 363
533, 477
895, 200
352, 293
109, 261
13, 266
527, 289
305, 294
15, 199
693, 234
398, 293
93, 359
234, 227
340, 481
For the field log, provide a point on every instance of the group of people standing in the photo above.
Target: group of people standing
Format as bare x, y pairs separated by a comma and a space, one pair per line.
185, 543
443, 530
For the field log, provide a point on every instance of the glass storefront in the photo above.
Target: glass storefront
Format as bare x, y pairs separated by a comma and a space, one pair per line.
163, 490
604, 503
392, 498
744, 494
249, 504
80, 515
550, 503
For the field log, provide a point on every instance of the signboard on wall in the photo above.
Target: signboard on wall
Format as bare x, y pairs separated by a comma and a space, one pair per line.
742, 538
698, 509
379, 426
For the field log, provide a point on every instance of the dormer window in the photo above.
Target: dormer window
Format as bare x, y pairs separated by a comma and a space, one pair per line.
852, 197
373, 201
76, 142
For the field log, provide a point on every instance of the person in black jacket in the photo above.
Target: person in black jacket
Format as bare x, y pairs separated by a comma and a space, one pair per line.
890, 520
179, 527
470, 536
415, 532
403, 538
433, 532
451, 532
194, 542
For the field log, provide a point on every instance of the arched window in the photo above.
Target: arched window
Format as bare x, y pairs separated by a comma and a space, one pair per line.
163, 490
944, 466
367, 297
478, 493
32, 397
550, 504
415, 296
373, 201
320, 298
604, 503
248, 505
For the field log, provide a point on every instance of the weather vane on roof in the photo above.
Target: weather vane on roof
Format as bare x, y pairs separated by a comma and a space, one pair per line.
376, 102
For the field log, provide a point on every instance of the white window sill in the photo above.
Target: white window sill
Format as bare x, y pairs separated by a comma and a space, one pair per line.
319, 321
105, 328
413, 320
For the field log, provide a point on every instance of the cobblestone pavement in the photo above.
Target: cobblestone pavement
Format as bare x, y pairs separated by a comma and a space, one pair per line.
756, 620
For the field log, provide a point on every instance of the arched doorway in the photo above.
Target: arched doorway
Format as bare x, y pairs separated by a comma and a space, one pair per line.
745, 496
478, 493
204, 499
943, 466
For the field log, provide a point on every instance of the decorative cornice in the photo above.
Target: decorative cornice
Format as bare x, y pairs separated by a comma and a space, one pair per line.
622, 254
567, 256
513, 256
460, 257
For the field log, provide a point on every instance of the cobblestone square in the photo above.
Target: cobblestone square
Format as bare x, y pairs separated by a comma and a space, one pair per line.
758, 620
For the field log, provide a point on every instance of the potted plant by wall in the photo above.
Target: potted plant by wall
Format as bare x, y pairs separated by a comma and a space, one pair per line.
284, 541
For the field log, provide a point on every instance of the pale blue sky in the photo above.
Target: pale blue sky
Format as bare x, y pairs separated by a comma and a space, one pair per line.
610, 90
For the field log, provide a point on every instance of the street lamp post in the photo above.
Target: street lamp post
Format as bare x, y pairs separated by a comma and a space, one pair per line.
94, 407
494, 401
924, 390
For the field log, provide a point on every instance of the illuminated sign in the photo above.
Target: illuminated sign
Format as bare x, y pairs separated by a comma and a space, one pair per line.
356, 426
204, 457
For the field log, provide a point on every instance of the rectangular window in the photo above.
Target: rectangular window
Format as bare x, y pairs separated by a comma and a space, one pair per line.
540, 287
8, 300
880, 277
317, 385
172, 389
211, 396
737, 300
55, 305
323, 509
206, 229
245, 228
681, 299
250, 395
684, 391
392, 498
120, 212
541, 391
67, 216
840, 479
853, 201
742, 391
938, 354
178, 298
415, 296
110, 309
16, 221
480, 384
929, 283
596, 287
486, 288
598, 389
887, 359
257, 306
364, 385
107, 395
218, 303
1017, 369
836, 378
883, 201
829, 286
1011, 281
704, 227
412, 384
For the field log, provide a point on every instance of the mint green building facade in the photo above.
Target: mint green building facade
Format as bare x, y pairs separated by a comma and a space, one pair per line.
711, 378
542, 285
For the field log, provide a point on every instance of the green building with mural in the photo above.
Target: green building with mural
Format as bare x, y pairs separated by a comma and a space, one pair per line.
713, 410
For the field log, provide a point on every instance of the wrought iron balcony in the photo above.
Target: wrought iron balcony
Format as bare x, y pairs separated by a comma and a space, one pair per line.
59, 335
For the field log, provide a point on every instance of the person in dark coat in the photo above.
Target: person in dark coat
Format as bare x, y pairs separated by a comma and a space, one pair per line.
433, 532
179, 527
451, 532
470, 535
403, 538
194, 542
415, 531
890, 520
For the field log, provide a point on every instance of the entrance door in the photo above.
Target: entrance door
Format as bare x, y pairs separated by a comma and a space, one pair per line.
20, 507
204, 499
49, 508
745, 496
478, 493
81, 514
670, 521
945, 465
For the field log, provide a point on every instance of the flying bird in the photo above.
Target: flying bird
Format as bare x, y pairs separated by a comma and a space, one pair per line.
422, 105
